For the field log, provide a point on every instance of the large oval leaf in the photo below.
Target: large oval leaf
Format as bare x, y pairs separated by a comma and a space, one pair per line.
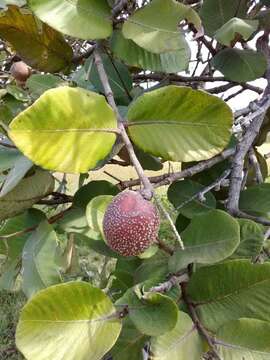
65, 130
215, 13
68, 321
28, 192
238, 340
251, 240
240, 65
94, 188
256, 199
180, 124
85, 19
37, 44
229, 291
159, 34
160, 311
181, 343
134, 55
205, 243
130, 343
40, 260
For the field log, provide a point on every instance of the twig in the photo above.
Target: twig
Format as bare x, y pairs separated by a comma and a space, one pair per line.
148, 190
201, 194
210, 341
167, 216
171, 282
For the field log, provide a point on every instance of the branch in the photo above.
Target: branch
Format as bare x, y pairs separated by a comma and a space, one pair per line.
58, 199
241, 151
51, 220
177, 78
167, 179
148, 190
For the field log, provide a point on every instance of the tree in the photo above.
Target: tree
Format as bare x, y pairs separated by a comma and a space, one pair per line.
91, 83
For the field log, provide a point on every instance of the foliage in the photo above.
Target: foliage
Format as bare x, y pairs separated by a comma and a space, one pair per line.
117, 88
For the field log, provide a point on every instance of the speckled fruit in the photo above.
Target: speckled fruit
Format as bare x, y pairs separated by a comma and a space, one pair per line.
130, 223
20, 71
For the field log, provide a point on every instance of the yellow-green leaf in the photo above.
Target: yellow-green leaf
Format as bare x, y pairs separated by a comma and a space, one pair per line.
180, 124
66, 130
67, 322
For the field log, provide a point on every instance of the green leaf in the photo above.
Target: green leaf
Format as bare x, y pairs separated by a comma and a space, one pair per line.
85, 19
40, 260
156, 266
147, 161
181, 191
181, 343
256, 199
68, 321
251, 239
180, 124
9, 108
17, 224
205, 243
37, 84
238, 340
18, 93
16, 174
75, 134
75, 222
95, 212
94, 188
240, 65
119, 78
37, 44
29, 191
160, 311
235, 27
215, 13
96, 244
229, 291
134, 55
160, 34
181, 223
129, 344
8, 157
8, 275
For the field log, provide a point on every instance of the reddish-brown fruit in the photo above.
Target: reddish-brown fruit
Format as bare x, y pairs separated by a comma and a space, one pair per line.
130, 223
20, 71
